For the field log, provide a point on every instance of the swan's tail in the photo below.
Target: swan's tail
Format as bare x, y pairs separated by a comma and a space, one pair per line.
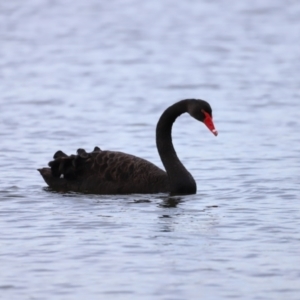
64, 169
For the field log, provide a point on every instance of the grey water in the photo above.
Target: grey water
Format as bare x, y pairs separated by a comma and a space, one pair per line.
79, 74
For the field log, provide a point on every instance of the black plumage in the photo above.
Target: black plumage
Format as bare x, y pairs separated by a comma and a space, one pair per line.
112, 172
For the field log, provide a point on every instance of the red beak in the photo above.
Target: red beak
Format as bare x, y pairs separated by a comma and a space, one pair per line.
209, 123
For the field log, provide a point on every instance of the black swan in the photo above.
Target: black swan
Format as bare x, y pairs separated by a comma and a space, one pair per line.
112, 172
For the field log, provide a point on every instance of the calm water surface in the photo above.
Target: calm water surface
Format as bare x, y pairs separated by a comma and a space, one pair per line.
98, 73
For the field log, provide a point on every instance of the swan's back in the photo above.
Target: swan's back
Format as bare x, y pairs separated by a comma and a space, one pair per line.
104, 172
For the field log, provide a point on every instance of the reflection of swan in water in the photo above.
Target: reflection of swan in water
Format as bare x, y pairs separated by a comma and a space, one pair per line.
176, 216
111, 172
170, 202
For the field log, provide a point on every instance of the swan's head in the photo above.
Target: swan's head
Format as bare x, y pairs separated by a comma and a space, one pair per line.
201, 111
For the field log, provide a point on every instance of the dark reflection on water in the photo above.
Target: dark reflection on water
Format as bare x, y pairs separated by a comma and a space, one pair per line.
141, 201
75, 75
170, 201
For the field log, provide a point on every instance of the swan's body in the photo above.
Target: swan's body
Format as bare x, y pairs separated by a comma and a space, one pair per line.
111, 172
105, 172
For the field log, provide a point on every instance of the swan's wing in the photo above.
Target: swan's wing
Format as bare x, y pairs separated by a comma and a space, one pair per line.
104, 172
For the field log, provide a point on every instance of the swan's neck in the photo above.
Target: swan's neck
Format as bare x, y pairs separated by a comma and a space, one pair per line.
180, 180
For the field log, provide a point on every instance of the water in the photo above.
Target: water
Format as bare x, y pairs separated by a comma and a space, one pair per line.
96, 73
